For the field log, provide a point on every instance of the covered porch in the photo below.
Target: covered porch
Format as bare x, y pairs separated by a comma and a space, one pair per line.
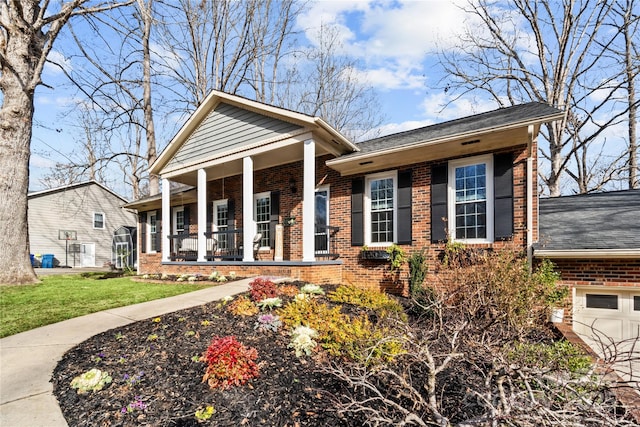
241, 183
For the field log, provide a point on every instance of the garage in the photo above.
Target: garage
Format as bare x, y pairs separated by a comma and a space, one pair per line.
608, 313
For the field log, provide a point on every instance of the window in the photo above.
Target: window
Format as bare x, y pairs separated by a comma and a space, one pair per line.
98, 220
636, 303
262, 214
178, 220
380, 205
607, 302
221, 222
470, 199
152, 235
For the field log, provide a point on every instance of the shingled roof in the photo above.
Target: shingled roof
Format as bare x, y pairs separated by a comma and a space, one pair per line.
489, 120
600, 221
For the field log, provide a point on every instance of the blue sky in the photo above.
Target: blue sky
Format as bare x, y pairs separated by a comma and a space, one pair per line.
394, 42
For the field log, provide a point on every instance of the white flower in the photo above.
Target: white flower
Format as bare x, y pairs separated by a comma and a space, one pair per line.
232, 274
92, 380
192, 279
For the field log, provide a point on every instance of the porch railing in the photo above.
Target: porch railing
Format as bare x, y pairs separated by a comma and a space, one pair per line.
227, 244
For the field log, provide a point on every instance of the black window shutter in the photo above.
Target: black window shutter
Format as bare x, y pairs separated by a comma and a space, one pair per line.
404, 208
186, 219
231, 223
357, 212
159, 231
438, 202
275, 217
503, 194
143, 232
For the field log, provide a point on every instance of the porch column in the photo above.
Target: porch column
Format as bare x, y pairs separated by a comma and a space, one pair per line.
202, 215
166, 220
248, 223
308, 201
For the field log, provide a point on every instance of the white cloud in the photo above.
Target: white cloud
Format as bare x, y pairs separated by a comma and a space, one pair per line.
440, 106
391, 78
58, 58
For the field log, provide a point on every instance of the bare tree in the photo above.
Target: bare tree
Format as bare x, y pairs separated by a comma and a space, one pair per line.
235, 47
27, 34
324, 82
546, 51
116, 80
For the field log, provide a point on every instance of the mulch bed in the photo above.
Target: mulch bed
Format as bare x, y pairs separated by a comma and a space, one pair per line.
290, 391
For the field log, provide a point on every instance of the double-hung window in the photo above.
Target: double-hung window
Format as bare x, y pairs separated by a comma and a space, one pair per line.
380, 209
262, 215
178, 220
221, 222
152, 227
470, 199
98, 220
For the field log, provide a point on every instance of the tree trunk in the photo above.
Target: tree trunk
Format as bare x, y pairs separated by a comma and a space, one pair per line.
16, 115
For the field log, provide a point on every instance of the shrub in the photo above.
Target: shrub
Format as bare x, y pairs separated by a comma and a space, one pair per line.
381, 303
417, 273
242, 306
557, 356
339, 334
311, 289
229, 363
260, 289
288, 290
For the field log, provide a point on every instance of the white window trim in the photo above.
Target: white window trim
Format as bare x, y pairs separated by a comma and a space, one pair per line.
104, 221
256, 196
175, 220
451, 197
367, 206
216, 203
148, 225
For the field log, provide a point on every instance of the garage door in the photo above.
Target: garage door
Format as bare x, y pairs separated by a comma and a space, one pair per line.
610, 314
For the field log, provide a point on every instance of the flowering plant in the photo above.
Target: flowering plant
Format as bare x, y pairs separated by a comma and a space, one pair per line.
133, 379
205, 414
137, 405
92, 380
262, 288
302, 340
269, 303
268, 322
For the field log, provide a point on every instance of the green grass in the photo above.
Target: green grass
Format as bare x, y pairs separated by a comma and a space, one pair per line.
63, 297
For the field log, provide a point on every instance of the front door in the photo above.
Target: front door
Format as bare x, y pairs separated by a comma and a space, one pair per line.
87, 255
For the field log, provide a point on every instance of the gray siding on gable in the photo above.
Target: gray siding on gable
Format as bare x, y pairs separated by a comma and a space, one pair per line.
73, 209
227, 128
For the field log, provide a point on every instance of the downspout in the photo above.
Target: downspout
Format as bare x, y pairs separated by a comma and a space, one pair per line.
530, 132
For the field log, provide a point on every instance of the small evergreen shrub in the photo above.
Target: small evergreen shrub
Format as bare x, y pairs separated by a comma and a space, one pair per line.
287, 290
229, 363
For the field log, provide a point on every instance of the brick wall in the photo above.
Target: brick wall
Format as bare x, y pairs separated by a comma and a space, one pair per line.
354, 270
599, 272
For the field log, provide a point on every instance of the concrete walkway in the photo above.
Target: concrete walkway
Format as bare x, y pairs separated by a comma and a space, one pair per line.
27, 360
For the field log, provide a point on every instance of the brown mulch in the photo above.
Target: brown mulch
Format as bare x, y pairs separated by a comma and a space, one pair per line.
162, 374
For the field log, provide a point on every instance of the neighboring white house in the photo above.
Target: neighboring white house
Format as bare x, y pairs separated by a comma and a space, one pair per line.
76, 224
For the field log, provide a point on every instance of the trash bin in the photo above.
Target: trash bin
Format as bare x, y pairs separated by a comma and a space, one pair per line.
47, 261
33, 259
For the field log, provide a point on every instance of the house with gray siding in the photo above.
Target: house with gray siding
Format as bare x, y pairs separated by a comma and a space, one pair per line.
76, 224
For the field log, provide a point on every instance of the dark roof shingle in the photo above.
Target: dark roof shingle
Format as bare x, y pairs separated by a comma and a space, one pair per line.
591, 221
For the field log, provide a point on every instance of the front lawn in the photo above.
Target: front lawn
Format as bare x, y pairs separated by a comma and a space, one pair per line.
58, 298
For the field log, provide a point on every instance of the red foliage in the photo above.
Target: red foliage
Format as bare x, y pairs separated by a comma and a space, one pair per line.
229, 363
261, 289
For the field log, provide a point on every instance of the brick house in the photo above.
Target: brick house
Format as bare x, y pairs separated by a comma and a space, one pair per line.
256, 189
594, 242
